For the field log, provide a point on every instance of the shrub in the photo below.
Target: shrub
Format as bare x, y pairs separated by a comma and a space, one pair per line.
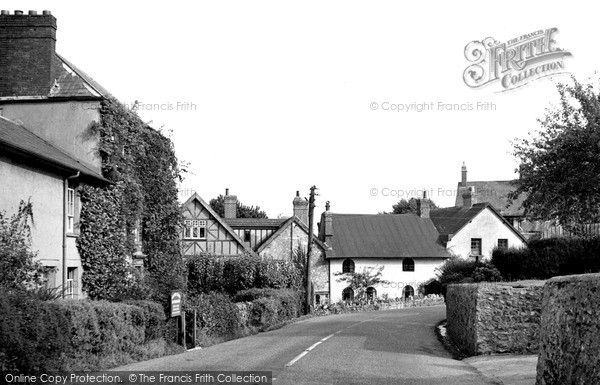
217, 315
208, 273
154, 315
546, 258
458, 270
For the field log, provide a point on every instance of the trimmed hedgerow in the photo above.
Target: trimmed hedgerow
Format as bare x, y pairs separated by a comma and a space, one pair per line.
546, 258
217, 315
77, 335
208, 273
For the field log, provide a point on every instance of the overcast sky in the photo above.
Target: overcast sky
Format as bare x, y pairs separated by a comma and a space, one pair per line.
279, 94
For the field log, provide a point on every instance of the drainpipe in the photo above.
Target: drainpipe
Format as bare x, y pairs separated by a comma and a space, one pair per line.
64, 232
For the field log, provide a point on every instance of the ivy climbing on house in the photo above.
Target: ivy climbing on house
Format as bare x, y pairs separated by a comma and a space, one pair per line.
142, 164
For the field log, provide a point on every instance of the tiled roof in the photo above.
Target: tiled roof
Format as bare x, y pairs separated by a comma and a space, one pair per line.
254, 222
286, 223
496, 193
384, 236
18, 140
69, 83
450, 220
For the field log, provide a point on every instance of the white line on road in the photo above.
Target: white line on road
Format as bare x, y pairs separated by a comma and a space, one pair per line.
299, 356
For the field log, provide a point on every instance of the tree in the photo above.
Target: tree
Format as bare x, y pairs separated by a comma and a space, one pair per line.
17, 262
560, 164
409, 206
361, 281
243, 211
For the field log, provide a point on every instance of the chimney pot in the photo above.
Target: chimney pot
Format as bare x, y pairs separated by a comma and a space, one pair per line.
297, 193
17, 12
463, 175
226, 191
46, 13
5, 12
33, 13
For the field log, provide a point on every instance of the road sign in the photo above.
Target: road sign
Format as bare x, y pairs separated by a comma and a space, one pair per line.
175, 303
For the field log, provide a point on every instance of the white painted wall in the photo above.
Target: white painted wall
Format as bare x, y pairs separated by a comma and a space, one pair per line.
487, 226
392, 272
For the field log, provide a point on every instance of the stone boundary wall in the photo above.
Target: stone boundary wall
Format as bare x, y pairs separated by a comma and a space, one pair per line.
490, 318
570, 331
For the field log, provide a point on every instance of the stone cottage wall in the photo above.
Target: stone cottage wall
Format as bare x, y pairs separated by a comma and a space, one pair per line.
570, 331
495, 318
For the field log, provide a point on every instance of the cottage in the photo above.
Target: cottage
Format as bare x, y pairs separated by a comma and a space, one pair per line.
204, 231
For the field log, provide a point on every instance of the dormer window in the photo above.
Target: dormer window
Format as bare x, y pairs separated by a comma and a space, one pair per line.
195, 229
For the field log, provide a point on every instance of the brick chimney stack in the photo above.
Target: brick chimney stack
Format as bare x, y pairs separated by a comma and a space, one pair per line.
327, 224
467, 199
423, 206
27, 53
230, 205
301, 208
463, 180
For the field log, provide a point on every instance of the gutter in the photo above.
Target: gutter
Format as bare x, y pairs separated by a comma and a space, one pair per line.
64, 232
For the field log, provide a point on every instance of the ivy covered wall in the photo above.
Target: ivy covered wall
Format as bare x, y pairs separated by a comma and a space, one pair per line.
142, 164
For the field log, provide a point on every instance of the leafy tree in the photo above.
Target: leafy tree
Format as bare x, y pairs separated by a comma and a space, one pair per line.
17, 262
361, 281
242, 211
560, 164
409, 206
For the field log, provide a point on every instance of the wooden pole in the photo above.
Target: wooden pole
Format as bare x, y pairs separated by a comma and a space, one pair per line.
195, 327
183, 329
311, 209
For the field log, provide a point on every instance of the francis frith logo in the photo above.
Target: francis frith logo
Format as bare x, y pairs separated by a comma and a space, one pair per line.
514, 63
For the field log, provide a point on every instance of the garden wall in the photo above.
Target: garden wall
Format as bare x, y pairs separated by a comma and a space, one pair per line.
489, 318
570, 331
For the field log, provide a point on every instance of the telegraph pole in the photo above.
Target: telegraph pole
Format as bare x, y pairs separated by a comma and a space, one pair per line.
311, 210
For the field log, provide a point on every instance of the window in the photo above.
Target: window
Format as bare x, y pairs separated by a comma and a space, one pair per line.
503, 244
70, 210
70, 284
348, 266
408, 264
348, 294
408, 292
371, 293
247, 236
475, 246
195, 229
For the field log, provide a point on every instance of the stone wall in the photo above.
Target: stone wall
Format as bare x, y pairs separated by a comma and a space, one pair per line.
570, 331
495, 318
461, 315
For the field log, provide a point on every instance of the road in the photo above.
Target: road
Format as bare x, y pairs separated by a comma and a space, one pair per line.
386, 347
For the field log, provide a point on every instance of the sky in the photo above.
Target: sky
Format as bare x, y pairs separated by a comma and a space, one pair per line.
270, 97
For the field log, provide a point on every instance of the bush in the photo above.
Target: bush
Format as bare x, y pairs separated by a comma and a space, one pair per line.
458, 270
217, 315
63, 335
155, 326
275, 307
208, 273
546, 258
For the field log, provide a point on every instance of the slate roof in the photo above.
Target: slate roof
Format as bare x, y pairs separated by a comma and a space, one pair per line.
19, 141
496, 193
384, 236
449, 221
254, 222
70, 83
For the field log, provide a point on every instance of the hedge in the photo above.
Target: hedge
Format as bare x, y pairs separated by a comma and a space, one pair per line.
77, 335
208, 273
458, 270
219, 318
546, 258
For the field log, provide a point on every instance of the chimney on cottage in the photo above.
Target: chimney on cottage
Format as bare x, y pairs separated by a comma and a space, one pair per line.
423, 206
230, 205
301, 208
27, 53
463, 180
467, 199
327, 224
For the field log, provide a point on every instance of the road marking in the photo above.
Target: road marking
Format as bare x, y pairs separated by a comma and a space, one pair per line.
299, 356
